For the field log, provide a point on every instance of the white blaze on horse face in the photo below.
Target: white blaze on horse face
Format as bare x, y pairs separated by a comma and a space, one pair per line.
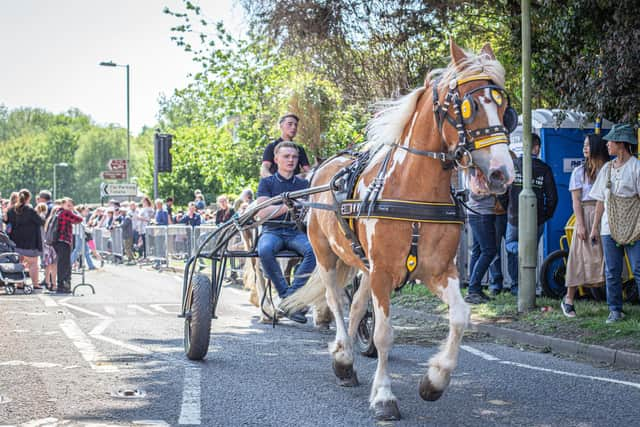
490, 108
500, 156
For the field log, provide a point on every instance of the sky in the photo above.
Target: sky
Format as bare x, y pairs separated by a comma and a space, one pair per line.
50, 50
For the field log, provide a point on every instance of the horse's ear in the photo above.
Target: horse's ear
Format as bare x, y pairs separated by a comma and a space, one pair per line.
457, 54
486, 50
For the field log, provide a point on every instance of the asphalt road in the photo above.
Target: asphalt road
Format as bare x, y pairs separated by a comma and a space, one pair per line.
64, 359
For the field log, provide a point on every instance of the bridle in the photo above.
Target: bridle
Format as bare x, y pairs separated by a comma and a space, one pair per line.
465, 109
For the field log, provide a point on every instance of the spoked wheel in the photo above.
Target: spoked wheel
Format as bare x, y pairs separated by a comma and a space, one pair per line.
197, 323
28, 289
364, 335
552, 274
10, 289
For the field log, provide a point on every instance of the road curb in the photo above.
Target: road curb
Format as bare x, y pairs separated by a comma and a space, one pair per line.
591, 352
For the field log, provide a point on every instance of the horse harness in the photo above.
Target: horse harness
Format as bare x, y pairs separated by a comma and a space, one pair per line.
343, 185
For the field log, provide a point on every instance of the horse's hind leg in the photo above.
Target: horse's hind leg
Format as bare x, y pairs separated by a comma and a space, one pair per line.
383, 401
341, 349
442, 364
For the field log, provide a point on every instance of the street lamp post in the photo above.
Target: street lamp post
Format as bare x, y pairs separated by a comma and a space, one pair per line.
62, 165
113, 64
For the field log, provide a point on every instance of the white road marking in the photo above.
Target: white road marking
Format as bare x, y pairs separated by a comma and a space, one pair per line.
141, 309
54, 422
100, 328
110, 310
85, 346
40, 422
491, 358
190, 409
161, 309
47, 300
131, 347
476, 352
83, 310
38, 313
34, 364
571, 374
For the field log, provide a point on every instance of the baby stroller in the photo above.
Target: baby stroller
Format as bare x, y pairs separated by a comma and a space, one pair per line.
12, 272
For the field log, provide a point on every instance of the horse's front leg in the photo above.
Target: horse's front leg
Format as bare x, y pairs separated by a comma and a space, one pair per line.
341, 349
442, 364
382, 400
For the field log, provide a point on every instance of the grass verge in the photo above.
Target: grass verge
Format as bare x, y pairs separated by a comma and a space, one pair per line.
547, 319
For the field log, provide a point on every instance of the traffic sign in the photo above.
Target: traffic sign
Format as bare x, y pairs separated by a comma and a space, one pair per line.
108, 190
117, 165
113, 175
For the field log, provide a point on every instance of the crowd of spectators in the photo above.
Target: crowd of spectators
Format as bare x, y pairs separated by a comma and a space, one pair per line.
56, 236
611, 170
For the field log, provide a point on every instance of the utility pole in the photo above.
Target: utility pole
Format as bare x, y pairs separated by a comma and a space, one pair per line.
527, 215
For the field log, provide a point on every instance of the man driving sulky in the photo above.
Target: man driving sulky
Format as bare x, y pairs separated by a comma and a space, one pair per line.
279, 233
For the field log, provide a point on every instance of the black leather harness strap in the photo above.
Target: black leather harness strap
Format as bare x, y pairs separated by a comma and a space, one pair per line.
402, 210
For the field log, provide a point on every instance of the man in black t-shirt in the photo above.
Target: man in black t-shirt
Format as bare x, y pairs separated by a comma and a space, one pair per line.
288, 130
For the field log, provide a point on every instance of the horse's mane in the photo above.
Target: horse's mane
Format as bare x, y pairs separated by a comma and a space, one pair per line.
387, 125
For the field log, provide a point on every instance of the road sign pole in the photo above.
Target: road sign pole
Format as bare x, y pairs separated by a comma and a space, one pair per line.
155, 167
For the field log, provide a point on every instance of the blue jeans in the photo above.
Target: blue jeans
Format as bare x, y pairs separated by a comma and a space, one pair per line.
275, 240
484, 249
511, 246
77, 250
613, 259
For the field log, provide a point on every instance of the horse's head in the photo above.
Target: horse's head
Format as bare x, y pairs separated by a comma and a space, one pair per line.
474, 118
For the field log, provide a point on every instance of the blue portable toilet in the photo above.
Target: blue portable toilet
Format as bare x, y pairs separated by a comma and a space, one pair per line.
562, 136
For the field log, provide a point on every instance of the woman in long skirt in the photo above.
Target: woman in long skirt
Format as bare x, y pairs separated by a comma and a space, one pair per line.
585, 266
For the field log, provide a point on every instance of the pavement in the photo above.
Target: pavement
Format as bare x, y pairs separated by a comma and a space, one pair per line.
116, 358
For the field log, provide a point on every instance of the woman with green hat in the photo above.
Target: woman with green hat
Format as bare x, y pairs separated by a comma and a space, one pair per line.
619, 177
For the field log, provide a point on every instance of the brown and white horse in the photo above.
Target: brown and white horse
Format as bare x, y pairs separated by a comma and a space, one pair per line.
409, 122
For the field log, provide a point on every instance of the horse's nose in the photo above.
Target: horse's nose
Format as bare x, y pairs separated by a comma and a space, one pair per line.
498, 176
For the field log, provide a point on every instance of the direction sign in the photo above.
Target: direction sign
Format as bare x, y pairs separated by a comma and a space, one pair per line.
117, 165
108, 190
113, 175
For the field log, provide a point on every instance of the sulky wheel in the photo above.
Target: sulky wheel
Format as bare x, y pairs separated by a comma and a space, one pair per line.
197, 323
552, 274
364, 334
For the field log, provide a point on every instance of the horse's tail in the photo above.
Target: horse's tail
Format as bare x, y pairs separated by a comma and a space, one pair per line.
313, 292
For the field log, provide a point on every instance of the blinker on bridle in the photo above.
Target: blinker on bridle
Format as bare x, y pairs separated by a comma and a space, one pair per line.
465, 109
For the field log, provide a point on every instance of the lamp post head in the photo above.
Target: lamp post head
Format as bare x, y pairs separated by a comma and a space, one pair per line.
108, 64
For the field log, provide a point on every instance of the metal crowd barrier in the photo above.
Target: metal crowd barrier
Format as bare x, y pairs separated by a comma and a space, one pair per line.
156, 243
117, 244
200, 233
179, 242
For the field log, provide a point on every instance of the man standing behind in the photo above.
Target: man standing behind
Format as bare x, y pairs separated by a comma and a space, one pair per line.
192, 217
288, 131
544, 187
66, 218
278, 236
162, 217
